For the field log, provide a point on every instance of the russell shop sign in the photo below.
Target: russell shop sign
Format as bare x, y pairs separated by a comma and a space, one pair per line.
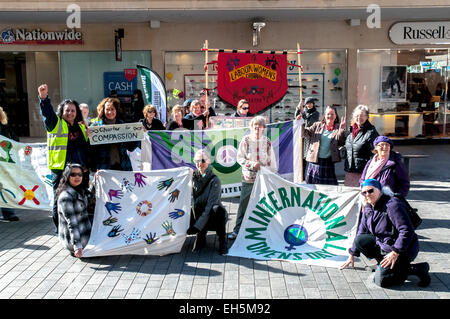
420, 33
37, 36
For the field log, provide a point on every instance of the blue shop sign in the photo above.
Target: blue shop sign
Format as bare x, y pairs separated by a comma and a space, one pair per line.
117, 81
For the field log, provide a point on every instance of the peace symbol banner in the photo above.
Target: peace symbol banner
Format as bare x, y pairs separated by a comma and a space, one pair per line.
25, 181
259, 78
311, 224
140, 213
176, 148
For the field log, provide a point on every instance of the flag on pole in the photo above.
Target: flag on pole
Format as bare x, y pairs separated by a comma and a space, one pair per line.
154, 90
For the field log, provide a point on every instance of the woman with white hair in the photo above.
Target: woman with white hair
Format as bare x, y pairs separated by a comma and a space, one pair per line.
208, 211
385, 232
358, 145
255, 150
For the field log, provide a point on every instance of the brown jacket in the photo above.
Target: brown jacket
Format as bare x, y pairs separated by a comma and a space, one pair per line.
314, 133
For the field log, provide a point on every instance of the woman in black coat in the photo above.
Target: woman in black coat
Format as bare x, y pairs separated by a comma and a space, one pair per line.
358, 145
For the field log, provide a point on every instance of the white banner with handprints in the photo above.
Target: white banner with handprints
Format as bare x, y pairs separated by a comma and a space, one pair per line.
116, 133
140, 213
25, 180
311, 224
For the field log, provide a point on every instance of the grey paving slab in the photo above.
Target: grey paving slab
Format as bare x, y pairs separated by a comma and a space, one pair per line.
34, 265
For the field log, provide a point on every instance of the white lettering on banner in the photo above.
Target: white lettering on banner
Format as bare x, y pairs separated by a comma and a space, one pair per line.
116, 133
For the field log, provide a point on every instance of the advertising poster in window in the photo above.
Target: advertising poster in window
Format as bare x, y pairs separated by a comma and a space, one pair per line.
393, 83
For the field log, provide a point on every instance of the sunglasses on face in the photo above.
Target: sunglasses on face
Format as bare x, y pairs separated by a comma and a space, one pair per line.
367, 192
244, 108
76, 174
200, 161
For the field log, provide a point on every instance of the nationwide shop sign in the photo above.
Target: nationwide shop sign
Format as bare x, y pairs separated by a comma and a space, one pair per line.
37, 36
117, 133
259, 78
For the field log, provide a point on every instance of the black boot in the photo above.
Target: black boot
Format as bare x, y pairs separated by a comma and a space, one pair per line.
421, 270
200, 241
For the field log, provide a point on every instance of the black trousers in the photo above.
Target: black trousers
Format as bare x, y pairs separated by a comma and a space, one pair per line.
384, 277
217, 221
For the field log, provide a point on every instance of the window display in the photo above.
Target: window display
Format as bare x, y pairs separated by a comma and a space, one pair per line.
323, 78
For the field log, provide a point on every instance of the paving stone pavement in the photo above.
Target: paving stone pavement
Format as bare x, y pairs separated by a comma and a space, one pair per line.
33, 264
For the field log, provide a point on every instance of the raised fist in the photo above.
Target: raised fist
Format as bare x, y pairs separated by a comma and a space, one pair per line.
43, 91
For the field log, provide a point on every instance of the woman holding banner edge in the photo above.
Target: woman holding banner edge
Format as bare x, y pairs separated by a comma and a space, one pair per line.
67, 139
255, 150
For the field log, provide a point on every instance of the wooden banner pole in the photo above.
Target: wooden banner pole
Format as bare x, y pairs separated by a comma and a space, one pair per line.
301, 101
206, 82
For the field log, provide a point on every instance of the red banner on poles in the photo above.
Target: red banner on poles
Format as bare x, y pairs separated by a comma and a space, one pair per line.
259, 78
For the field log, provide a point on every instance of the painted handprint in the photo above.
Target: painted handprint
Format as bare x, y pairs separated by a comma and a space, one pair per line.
174, 195
165, 184
126, 185
115, 207
134, 235
176, 214
115, 231
169, 229
139, 179
150, 239
117, 193
110, 220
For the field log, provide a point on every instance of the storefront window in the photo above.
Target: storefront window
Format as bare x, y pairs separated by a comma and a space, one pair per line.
324, 78
405, 91
89, 77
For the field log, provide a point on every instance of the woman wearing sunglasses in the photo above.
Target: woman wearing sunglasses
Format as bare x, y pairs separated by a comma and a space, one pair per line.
385, 233
242, 109
74, 223
208, 211
387, 167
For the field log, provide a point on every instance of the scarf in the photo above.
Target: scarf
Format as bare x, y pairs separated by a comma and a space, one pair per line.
355, 130
375, 167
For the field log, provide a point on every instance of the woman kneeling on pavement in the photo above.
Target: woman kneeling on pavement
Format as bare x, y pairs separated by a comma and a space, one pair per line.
74, 223
385, 233
208, 211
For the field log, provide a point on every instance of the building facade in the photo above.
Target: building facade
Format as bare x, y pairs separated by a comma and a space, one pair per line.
393, 59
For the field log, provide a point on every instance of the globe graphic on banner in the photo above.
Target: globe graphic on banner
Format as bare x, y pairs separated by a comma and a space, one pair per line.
295, 235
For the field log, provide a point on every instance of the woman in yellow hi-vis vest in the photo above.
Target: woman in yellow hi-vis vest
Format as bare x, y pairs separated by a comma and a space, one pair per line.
67, 139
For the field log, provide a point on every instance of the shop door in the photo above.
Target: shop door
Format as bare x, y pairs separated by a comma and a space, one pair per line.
13, 91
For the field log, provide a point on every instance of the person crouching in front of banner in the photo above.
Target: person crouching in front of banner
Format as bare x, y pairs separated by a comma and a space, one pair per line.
114, 155
208, 211
386, 233
67, 139
255, 150
74, 224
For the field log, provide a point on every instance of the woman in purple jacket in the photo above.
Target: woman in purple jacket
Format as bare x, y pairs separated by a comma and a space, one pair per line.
387, 167
385, 233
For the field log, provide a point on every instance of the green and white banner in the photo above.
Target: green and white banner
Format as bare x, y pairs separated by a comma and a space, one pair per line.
311, 224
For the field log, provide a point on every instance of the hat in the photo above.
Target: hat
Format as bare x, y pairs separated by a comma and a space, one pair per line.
371, 182
310, 100
187, 102
383, 139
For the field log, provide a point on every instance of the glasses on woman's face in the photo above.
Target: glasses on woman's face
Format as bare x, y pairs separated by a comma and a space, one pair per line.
73, 174
198, 161
367, 192
383, 145
245, 108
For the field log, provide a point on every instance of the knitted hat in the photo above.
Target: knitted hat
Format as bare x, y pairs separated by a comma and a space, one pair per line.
371, 182
310, 100
383, 139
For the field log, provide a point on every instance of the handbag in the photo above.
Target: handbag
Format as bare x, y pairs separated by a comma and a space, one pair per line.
412, 212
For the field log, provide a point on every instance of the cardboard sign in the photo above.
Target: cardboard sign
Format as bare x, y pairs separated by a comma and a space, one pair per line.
259, 78
117, 133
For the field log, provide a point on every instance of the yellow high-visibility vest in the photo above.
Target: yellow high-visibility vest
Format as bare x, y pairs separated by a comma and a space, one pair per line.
57, 140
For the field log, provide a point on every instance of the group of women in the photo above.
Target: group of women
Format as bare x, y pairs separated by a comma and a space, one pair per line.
369, 160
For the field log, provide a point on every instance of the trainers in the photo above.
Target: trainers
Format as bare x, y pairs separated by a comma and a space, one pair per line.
232, 236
